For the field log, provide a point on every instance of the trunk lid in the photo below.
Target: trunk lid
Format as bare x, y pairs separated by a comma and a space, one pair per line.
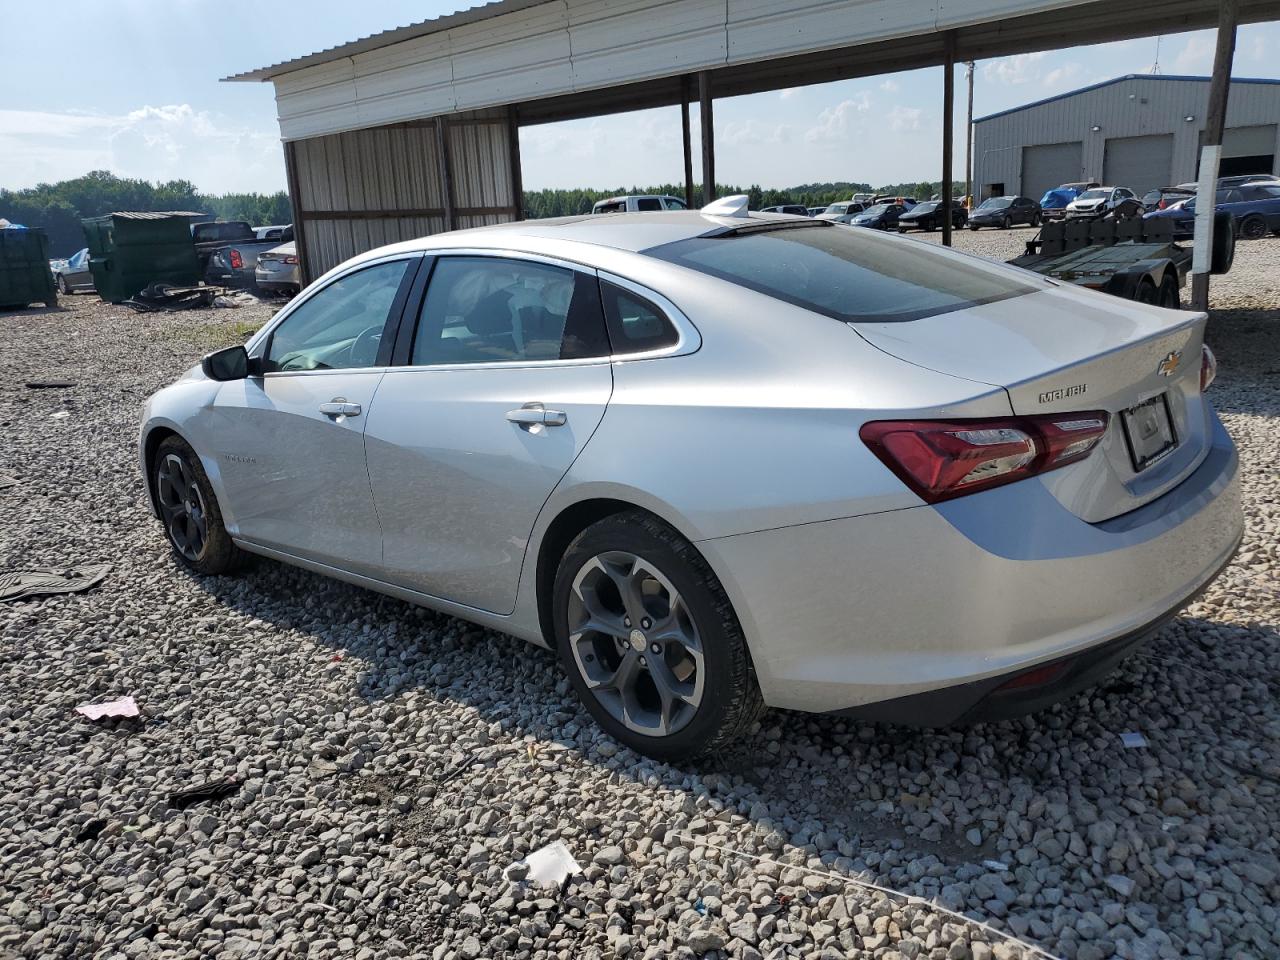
1069, 350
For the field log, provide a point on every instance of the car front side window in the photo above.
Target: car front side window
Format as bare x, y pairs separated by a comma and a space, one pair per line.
339, 327
494, 309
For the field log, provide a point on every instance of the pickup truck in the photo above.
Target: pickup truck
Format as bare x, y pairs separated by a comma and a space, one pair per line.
228, 250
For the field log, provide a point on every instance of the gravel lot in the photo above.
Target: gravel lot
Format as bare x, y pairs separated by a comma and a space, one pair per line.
391, 762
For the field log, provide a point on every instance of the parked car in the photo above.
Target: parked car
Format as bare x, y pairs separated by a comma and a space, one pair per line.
792, 208
277, 270
1240, 181
1164, 197
1254, 209
866, 199
643, 204
842, 212
234, 263
928, 216
814, 211
272, 233
1053, 205
1100, 201
1004, 212
881, 216
990, 489
216, 234
72, 274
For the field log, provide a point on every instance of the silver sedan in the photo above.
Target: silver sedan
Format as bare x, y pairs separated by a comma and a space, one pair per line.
719, 460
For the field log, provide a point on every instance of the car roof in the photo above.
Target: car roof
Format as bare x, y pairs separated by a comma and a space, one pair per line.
631, 232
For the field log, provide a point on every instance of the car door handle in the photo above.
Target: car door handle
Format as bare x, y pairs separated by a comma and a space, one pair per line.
338, 407
532, 413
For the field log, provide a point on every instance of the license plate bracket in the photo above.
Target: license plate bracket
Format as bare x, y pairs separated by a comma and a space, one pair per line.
1148, 431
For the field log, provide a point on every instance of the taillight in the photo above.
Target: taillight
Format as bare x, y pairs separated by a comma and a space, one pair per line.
941, 459
1208, 367
288, 259
237, 261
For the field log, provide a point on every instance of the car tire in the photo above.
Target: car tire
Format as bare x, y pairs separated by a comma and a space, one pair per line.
973, 227
1006, 223
634, 564
1223, 254
1253, 227
190, 512
1035, 220
1169, 296
1147, 292
63, 287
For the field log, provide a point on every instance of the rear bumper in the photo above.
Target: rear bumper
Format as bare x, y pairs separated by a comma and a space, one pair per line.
858, 611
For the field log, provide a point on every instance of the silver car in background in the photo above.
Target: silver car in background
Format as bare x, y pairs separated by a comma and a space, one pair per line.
72, 274
719, 460
277, 271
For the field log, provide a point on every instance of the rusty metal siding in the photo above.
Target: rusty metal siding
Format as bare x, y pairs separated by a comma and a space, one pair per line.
363, 189
1130, 107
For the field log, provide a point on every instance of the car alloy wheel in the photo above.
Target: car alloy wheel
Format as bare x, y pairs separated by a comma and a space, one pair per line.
1253, 228
63, 287
182, 507
635, 643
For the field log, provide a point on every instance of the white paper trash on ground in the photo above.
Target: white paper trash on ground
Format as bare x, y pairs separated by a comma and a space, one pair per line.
1133, 740
550, 865
123, 707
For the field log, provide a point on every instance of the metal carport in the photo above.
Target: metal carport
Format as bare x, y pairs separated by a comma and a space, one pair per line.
417, 126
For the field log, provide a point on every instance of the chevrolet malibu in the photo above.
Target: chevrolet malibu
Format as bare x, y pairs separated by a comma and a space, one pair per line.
720, 461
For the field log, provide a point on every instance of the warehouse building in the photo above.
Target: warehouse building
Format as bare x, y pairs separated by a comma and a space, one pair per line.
416, 130
1139, 131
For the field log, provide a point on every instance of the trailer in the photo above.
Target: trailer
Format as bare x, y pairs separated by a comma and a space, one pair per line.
1133, 258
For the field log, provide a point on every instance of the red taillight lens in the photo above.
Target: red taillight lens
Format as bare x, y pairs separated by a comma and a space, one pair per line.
289, 259
1208, 367
941, 459
237, 261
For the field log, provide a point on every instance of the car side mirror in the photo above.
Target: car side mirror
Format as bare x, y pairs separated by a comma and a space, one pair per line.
231, 363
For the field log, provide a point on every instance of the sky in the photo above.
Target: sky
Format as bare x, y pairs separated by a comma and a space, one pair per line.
132, 86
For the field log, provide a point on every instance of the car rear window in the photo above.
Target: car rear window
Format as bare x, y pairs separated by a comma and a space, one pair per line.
847, 273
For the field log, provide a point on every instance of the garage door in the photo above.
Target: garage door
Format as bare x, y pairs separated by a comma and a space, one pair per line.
1049, 165
1139, 163
1247, 150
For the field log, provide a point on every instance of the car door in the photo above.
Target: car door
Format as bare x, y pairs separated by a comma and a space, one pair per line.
497, 388
77, 270
290, 441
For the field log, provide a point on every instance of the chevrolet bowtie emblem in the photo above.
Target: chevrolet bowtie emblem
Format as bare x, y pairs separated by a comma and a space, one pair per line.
1169, 364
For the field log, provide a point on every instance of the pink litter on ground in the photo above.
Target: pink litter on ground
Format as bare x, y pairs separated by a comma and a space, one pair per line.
124, 707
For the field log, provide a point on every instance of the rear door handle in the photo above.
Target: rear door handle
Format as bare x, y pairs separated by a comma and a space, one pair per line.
338, 407
532, 413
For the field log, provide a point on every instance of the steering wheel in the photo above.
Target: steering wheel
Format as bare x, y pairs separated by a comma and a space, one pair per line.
364, 348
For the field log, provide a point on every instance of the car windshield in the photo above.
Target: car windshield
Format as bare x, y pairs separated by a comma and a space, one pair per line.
837, 208
878, 209
1094, 195
995, 203
851, 275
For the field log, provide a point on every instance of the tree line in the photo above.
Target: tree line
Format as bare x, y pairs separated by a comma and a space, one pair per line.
59, 207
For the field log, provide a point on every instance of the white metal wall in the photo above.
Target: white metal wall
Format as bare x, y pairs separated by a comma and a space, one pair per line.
365, 188
1132, 107
567, 46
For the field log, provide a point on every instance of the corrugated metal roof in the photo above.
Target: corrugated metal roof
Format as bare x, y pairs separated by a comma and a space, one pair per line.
1107, 83
150, 214
372, 42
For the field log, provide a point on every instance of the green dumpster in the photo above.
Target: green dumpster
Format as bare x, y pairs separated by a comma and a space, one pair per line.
130, 251
25, 276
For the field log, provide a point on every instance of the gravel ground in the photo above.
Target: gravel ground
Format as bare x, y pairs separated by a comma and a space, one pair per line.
391, 762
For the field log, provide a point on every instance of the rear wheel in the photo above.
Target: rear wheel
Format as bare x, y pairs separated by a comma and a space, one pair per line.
190, 512
1146, 292
1006, 223
1169, 297
1035, 219
650, 641
1223, 254
63, 287
1253, 227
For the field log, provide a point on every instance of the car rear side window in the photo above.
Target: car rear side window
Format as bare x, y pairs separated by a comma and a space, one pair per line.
492, 309
846, 273
648, 203
635, 324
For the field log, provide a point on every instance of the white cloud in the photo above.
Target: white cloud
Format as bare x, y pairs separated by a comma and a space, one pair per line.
788, 93
737, 132
1260, 49
1018, 69
1196, 56
1063, 76
902, 119
890, 86
836, 123
170, 142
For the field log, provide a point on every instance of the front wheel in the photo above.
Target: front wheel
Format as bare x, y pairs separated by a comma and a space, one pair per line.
1253, 227
1006, 223
190, 512
1035, 220
650, 641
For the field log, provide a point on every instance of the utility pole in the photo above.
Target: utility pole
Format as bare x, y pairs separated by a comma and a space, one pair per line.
1211, 152
948, 133
968, 139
